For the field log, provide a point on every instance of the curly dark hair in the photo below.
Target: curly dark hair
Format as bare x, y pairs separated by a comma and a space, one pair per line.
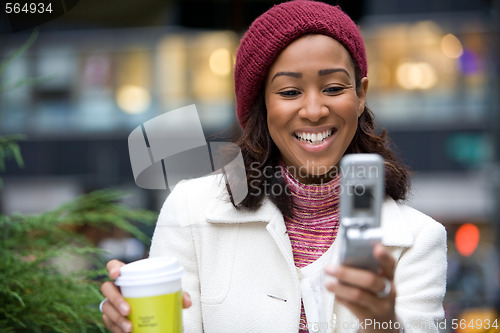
261, 156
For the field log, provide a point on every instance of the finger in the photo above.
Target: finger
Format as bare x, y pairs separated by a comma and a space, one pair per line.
115, 298
351, 294
386, 261
113, 267
114, 320
359, 278
186, 300
362, 303
113, 327
381, 311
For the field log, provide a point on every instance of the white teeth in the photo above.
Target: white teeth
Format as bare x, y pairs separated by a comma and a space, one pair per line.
314, 138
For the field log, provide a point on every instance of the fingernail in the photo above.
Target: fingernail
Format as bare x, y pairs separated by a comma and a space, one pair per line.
331, 269
113, 272
330, 283
127, 326
124, 309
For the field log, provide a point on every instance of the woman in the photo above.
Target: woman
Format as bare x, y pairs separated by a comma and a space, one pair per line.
265, 265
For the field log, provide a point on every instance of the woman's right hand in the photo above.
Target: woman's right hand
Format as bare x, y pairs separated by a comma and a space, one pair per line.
115, 309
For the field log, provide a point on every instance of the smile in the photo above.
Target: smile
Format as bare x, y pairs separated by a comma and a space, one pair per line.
314, 138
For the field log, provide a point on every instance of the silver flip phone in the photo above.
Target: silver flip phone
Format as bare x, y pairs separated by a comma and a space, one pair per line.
362, 194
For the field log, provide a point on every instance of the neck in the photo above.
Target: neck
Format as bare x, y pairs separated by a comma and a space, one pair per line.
310, 179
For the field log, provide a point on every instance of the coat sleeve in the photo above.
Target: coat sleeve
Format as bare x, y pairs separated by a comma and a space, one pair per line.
420, 278
173, 236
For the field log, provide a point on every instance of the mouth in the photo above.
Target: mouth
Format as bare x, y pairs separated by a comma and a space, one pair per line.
314, 138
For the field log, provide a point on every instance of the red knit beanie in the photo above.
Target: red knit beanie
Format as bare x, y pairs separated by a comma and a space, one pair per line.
274, 30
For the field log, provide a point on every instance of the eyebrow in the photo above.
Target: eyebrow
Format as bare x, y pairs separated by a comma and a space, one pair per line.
292, 74
327, 71
321, 72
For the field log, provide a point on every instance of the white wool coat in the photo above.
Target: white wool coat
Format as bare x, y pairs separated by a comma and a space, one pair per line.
240, 272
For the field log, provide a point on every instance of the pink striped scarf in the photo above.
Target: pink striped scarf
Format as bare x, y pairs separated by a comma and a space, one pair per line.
314, 223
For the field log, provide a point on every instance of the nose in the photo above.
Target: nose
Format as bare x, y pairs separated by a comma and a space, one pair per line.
313, 108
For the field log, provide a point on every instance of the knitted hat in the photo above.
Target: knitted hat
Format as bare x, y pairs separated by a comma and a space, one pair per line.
274, 30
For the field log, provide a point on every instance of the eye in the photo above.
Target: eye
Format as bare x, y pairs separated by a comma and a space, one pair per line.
289, 93
333, 90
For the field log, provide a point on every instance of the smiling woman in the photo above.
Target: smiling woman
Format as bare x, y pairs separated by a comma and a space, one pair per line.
267, 264
313, 105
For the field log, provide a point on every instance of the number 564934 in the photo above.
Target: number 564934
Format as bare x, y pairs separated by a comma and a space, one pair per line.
28, 8
474, 324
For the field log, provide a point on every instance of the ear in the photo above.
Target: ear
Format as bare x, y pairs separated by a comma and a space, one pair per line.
361, 92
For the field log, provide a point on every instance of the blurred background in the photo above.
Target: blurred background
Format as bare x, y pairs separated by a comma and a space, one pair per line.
97, 72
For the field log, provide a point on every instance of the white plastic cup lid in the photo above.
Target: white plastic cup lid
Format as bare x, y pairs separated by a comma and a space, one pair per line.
149, 271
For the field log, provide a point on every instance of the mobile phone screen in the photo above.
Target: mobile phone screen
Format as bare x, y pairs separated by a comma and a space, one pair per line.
363, 199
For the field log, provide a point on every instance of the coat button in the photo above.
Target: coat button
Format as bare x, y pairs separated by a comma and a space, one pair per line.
334, 321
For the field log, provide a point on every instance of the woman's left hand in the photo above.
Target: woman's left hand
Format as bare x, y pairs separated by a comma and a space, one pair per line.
357, 290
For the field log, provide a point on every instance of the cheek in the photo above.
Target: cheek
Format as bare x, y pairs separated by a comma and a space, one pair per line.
349, 112
277, 119
275, 131
352, 126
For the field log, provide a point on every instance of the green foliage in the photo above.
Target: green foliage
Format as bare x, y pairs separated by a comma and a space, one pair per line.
35, 294
9, 149
14, 55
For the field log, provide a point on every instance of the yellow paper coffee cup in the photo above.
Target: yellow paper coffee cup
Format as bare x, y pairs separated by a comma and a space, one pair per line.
153, 289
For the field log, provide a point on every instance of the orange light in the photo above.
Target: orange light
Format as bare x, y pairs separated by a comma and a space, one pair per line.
467, 239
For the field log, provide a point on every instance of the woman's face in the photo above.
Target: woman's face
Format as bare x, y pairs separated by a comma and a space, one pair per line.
312, 106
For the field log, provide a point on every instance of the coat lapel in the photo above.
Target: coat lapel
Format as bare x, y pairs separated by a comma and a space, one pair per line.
396, 230
222, 211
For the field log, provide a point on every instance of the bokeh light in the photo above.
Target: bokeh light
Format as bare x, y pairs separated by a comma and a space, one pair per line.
416, 75
220, 62
451, 46
467, 239
133, 99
